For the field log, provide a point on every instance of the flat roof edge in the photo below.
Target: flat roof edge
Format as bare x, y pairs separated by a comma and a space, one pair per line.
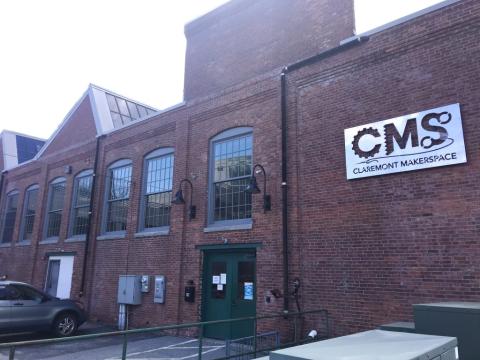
402, 20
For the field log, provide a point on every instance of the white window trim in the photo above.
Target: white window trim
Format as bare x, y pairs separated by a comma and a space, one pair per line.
21, 233
52, 239
141, 217
81, 174
4, 217
223, 224
117, 164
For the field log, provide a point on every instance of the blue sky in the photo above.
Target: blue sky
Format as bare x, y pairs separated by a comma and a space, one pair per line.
51, 52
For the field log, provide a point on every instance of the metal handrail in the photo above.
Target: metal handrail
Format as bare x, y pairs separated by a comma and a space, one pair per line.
201, 325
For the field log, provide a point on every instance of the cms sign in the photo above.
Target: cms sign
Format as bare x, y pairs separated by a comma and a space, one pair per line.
426, 139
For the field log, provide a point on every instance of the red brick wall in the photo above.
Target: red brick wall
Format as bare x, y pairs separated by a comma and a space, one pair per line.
247, 38
368, 249
79, 129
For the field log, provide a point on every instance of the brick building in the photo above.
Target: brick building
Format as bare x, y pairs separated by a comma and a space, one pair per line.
273, 83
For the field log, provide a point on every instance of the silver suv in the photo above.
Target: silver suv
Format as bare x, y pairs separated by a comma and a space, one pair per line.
23, 308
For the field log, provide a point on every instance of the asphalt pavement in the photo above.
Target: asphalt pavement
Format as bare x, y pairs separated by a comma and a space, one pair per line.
151, 346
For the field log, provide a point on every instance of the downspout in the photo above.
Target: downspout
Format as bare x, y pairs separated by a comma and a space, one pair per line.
283, 109
1, 183
90, 216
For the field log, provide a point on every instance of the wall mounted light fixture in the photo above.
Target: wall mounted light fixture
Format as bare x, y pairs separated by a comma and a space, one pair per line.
179, 199
253, 188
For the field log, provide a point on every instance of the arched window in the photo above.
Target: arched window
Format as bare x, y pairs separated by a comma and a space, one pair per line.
157, 190
9, 215
230, 170
117, 196
28, 215
56, 197
82, 193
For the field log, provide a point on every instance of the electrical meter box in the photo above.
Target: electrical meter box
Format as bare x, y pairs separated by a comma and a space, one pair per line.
145, 283
129, 290
159, 294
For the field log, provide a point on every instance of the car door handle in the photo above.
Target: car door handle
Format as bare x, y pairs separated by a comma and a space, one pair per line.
18, 304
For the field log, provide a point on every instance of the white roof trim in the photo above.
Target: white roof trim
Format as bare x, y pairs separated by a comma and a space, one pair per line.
21, 134
121, 96
101, 116
135, 122
401, 20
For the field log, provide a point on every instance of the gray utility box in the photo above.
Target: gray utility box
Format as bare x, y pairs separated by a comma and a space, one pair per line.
459, 319
374, 344
130, 289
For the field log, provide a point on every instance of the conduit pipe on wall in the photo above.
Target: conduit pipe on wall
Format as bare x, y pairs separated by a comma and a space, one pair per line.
2, 177
284, 110
90, 216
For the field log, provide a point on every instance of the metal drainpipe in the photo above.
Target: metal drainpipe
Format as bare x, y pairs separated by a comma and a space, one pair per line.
90, 216
1, 184
283, 109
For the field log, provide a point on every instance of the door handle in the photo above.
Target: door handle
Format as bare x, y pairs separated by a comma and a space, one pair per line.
18, 304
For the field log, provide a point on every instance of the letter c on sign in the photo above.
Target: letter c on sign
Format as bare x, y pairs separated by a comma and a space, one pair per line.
365, 153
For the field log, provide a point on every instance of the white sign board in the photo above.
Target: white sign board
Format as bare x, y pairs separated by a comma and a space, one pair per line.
423, 140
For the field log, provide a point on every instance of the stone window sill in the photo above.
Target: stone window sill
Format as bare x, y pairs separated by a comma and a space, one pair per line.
159, 232
111, 237
23, 243
226, 227
49, 241
78, 238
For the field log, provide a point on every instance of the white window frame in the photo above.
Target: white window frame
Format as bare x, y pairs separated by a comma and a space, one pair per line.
80, 175
223, 136
4, 217
57, 180
117, 164
26, 197
141, 218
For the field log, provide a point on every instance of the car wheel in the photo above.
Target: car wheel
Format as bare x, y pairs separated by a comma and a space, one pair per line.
65, 325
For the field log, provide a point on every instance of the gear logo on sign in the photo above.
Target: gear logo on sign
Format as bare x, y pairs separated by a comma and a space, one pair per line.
356, 140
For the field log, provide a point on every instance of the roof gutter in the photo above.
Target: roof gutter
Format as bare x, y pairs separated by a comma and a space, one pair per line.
284, 122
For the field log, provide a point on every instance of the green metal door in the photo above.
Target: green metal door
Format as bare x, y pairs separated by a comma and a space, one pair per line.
229, 291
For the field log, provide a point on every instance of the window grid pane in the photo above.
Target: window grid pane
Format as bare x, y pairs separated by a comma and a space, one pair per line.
57, 194
124, 112
157, 210
54, 221
119, 193
9, 220
233, 169
29, 217
82, 205
232, 202
233, 158
120, 179
80, 221
158, 192
117, 215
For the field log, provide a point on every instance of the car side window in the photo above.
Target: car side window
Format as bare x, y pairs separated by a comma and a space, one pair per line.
28, 293
11, 293
3, 292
